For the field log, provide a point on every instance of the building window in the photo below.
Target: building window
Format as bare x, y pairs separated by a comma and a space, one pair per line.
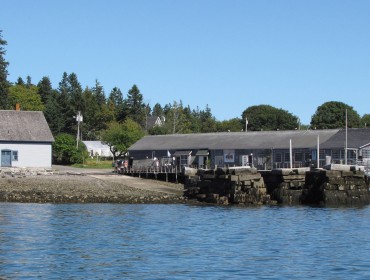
286, 157
183, 160
352, 154
277, 157
366, 153
307, 156
298, 157
335, 154
14, 155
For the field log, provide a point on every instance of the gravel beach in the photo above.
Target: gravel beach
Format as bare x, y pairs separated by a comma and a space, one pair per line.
63, 184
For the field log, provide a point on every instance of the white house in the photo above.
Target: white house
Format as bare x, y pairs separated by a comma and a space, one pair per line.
97, 148
25, 139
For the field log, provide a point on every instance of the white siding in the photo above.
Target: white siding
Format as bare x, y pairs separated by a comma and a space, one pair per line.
30, 155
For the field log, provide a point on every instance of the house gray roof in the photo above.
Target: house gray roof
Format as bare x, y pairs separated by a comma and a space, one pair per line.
235, 140
24, 126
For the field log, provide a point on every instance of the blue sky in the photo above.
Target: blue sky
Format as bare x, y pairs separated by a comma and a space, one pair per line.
229, 54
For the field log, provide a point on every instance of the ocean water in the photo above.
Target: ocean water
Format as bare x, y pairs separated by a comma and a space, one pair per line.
115, 241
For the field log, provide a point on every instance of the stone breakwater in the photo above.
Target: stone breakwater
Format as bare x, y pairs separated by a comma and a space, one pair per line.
338, 186
234, 185
28, 185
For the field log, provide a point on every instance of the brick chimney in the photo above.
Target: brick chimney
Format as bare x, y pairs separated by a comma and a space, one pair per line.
17, 107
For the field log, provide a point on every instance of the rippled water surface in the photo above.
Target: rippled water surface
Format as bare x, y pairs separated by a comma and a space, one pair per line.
105, 241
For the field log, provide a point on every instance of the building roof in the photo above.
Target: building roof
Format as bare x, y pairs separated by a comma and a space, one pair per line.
153, 121
356, 138
95, 145
24, 126
235, 140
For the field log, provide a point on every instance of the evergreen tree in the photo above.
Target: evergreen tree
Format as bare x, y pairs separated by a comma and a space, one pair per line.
63, 100
207, 121
134, 107
20, 82
116, 102
53, 112
29, 82
157, 110
45, 89
4, 84
91, 112
98, 91
75, 93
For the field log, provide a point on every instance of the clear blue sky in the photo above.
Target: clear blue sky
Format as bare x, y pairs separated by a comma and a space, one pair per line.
229, 54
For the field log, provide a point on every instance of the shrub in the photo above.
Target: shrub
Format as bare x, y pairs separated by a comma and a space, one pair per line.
66, 152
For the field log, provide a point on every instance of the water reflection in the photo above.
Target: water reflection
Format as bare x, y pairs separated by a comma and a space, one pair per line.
100, 241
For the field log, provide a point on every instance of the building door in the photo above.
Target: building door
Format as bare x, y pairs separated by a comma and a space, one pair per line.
6, 158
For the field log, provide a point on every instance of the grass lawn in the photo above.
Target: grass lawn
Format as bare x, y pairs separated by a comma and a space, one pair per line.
93, 163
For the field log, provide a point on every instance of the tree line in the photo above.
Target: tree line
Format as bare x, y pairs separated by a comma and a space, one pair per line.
106, 116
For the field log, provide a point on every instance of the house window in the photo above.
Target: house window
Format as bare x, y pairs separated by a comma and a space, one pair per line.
14, 155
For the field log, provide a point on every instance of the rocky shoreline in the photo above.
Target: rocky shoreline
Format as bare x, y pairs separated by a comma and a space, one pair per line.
83, 186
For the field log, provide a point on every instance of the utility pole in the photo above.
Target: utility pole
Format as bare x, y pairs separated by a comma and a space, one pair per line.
79, 119
174, 118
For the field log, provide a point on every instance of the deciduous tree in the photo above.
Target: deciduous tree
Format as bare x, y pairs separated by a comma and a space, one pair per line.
365, 121
233, 125
333, 115
120, 136
26, 97
266, 117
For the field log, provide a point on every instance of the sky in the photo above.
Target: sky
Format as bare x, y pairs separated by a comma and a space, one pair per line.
227, 54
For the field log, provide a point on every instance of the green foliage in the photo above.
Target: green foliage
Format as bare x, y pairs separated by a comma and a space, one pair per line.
333, 115
65, 150
26, 97
20, 82
134, 108
233, 125
29, 82
98, 91
157, 110
120, 136
45, 89
4, 84
53, 112
207, 121
95, 163
64, 102
365, 121
158, 130
266, 117
116, 104
75, 93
